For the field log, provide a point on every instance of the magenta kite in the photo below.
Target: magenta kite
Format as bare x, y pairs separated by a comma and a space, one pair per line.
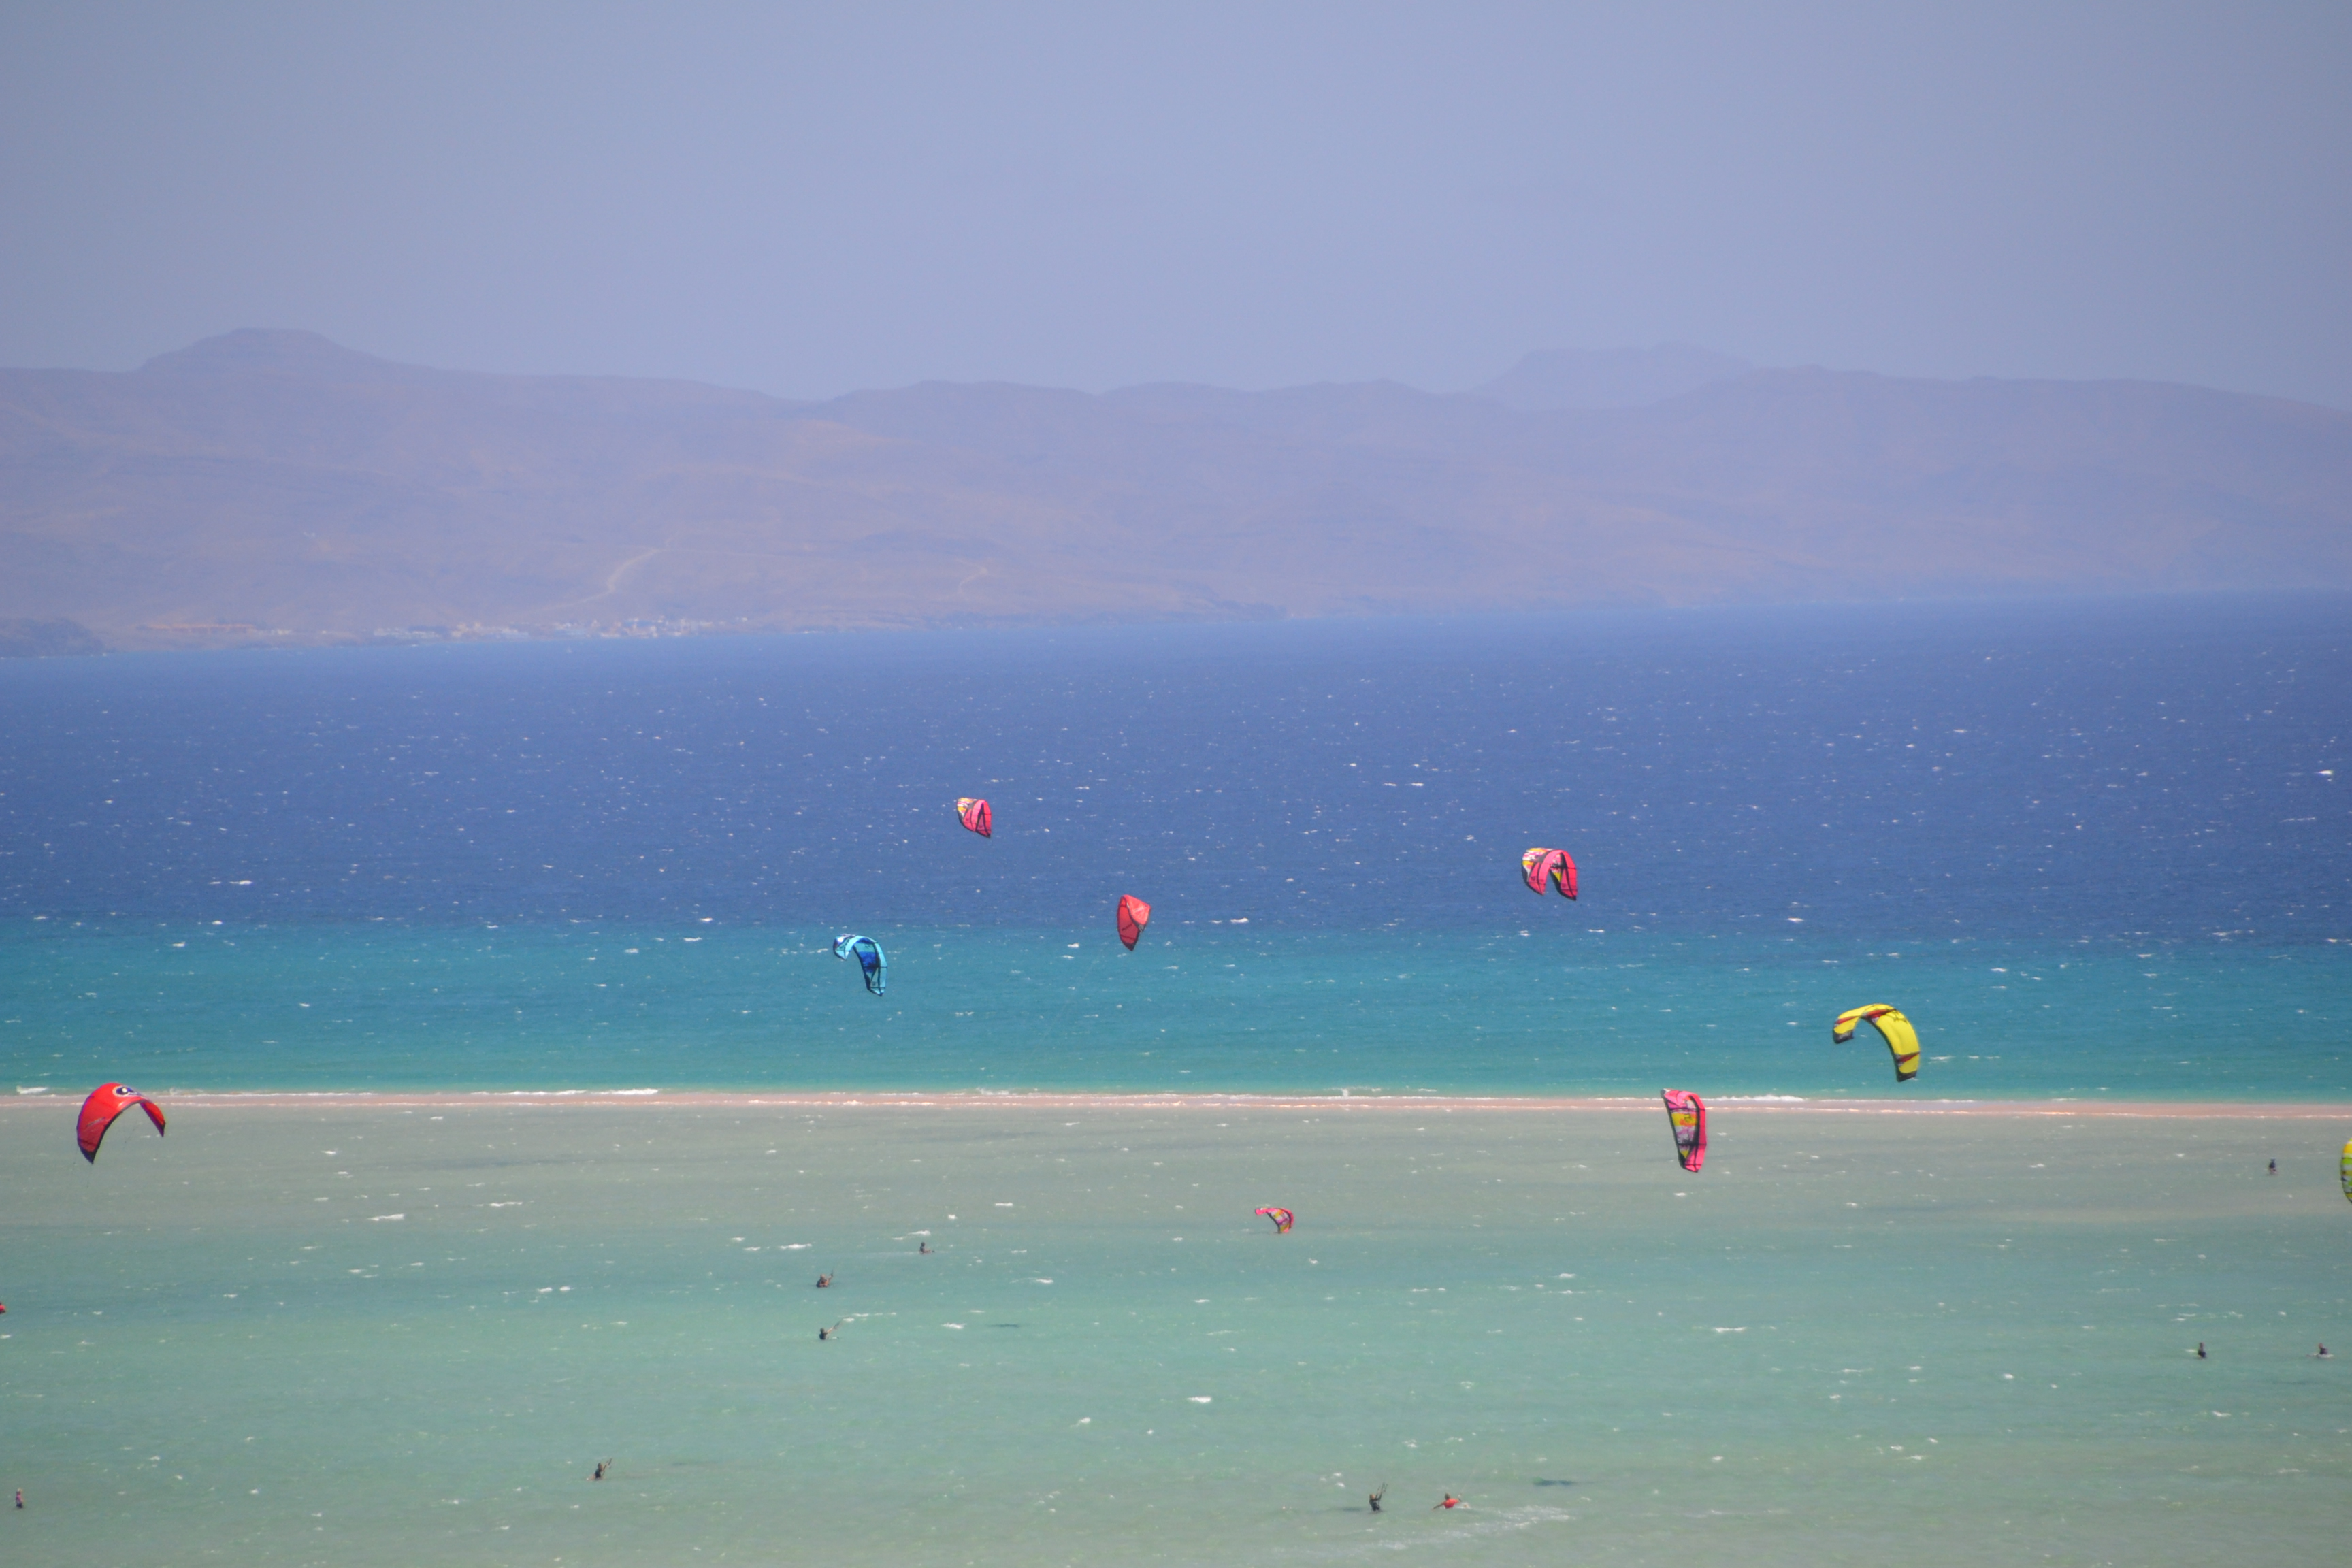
1548, 868
1687, 1114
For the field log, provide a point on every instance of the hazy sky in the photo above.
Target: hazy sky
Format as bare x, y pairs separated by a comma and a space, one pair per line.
812, 199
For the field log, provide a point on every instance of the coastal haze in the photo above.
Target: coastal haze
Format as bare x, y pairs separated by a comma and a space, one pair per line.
270, 486
1872, 486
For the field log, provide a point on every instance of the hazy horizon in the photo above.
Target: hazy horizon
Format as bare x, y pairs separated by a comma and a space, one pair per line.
809, 204
1601, 355
1587, 363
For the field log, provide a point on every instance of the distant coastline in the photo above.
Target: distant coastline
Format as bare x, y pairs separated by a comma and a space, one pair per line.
23, 638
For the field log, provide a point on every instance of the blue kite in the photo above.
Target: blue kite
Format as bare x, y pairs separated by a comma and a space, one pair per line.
869, 959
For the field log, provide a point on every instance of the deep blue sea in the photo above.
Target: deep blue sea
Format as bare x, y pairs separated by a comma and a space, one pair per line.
2093, 847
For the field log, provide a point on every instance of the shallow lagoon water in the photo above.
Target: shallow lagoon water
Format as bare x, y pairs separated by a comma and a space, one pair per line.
1855, 1336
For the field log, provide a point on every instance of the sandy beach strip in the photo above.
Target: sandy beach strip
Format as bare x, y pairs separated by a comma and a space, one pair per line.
1350, 1103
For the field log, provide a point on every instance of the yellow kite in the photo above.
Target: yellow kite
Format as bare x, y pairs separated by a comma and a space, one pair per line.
1901, 1038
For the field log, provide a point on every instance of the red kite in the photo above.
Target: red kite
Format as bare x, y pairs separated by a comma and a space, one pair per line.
106, 1102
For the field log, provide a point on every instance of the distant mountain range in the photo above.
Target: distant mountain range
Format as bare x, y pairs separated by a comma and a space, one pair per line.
272, 487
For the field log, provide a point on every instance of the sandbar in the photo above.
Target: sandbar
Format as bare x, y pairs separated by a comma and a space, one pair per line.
1350, 1103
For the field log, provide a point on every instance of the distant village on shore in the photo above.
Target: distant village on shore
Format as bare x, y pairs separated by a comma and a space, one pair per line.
25, 638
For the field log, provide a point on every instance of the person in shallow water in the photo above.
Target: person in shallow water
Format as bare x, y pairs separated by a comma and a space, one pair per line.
1450, 1502
822, 1280
2200, 1350
925, 1247
1375, 1498
2273, 1167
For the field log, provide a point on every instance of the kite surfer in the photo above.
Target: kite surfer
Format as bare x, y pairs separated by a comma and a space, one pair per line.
2273, 1167
1450, 1502
1375, 1498
2200, 1350
828, 1333
2322, 1354
926, 1247
20, 1497
823, 1280
601, 1466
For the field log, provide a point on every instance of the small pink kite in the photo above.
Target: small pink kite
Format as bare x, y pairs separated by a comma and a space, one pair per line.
1134, 914
1687, 1114
1547, 869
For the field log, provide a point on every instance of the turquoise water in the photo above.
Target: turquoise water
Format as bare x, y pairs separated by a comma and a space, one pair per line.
2097, 852
1562, 1009
349, 1336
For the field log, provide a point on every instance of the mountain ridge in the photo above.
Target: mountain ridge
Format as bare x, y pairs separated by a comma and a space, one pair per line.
275, 487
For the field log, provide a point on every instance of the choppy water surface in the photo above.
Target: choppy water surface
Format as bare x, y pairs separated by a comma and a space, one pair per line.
1555, 1010
343, 1336
2087, 845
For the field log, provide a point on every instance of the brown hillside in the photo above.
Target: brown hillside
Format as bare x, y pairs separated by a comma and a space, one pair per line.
271, 486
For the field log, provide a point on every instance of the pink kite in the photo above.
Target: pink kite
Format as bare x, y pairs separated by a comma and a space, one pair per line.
1547, 869
1134, 914
1687, 1114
